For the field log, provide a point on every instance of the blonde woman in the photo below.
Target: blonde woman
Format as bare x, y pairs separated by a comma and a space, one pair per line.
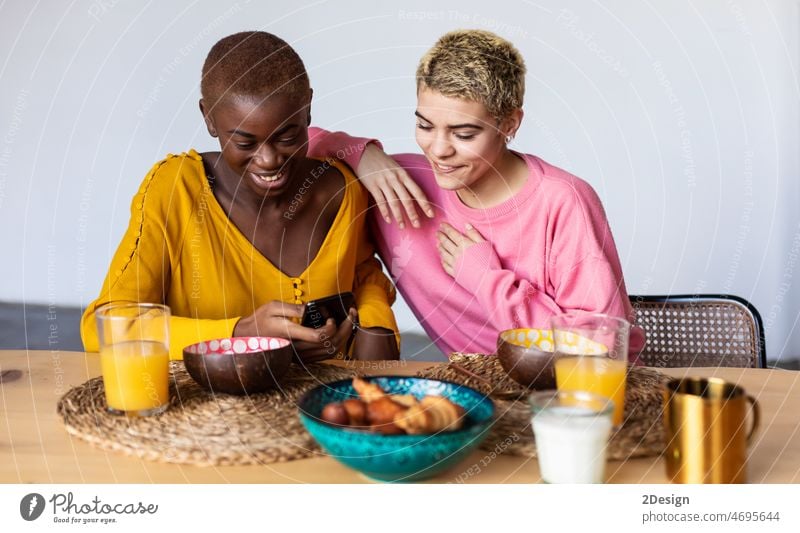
508, 240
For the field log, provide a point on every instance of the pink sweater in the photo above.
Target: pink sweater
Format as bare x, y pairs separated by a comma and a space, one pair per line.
549, 250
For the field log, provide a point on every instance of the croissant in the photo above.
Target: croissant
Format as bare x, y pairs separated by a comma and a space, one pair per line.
395, 413
368, 392
381, 415
431, 415
406, 400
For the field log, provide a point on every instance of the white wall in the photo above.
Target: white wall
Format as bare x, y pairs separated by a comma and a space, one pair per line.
683, 115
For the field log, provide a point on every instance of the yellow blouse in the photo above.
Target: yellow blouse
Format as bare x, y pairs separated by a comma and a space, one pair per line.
180, 249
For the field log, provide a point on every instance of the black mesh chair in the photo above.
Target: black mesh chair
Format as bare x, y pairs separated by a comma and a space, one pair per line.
700, 330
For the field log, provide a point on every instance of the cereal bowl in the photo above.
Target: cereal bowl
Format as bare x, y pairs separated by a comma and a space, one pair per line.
238, 365
398, 458
526, 354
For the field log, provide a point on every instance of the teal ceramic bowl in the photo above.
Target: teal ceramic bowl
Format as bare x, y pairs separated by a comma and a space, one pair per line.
398, 458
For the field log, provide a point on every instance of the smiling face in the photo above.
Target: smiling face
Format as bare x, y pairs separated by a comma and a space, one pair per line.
464, 143
261, 140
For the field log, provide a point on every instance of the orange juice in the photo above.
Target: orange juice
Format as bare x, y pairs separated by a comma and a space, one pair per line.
136, 376
599, 375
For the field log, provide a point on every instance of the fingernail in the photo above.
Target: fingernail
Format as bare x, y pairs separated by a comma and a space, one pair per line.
429, 212
469, 226
402, 226
388, 220
415, 223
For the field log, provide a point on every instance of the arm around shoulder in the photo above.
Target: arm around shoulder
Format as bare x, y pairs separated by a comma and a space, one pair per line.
388, 182
339, 145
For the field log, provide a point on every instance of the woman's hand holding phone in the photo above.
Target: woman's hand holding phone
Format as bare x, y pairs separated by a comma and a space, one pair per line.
280, 319
330, 346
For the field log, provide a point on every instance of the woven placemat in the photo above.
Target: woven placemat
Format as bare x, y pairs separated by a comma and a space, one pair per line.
641, 434
200, 428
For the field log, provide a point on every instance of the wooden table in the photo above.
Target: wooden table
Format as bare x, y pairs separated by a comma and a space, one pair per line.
35, 448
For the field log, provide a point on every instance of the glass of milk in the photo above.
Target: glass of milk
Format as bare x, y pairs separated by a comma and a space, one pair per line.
571, 430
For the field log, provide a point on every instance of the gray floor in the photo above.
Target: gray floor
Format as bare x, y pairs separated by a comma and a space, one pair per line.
42, 327
39, 327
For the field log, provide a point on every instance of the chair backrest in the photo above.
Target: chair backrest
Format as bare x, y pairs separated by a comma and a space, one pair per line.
700, 330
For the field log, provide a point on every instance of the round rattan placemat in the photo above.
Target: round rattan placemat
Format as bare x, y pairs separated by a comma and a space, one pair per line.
641, 434
201, 428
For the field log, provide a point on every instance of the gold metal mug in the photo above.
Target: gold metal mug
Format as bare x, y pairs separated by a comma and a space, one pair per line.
704, 421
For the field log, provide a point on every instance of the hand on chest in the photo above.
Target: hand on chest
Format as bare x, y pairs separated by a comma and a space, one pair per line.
442, 236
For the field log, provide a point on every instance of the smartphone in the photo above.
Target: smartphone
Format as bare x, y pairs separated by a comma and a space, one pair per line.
336, 307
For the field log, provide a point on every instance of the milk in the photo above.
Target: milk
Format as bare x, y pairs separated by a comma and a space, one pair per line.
571, 444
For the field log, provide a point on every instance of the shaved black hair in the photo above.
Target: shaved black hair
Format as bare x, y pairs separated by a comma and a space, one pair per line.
252, 64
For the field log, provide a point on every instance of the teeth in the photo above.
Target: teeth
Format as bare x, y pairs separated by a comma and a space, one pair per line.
269, 179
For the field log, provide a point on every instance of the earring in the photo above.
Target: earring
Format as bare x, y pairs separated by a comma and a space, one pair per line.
509, 138
212, 132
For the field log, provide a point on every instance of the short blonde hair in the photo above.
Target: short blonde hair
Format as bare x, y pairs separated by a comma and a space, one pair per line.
477, 65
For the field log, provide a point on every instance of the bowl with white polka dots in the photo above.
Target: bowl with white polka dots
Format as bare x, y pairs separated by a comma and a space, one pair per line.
238, 365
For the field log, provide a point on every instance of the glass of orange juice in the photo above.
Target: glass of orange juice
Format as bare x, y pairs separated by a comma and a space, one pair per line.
134, 357
592, 356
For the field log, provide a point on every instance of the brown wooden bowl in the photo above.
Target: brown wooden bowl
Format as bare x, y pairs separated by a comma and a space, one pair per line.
527, 357
238, 365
